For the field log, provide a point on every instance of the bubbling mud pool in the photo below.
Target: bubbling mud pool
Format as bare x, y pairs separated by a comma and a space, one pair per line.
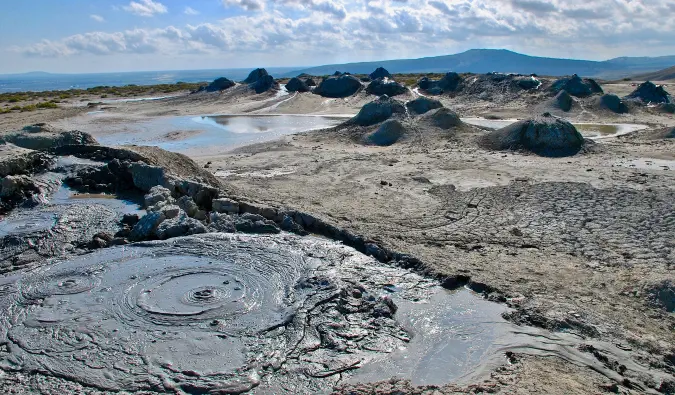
223, 313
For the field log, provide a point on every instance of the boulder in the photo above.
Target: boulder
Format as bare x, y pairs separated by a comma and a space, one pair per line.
188, 205
156, 195
16, 187
182, 225
380, 73
297, 85
422, 105
224, 205
443, 118
263, 84
254, 223
385, 86
387, 134
219, 84
612, 103
15, 160
219, 222
337, 87
563, 101
648, 92
545, 135
451, 82
378, 110
256, 75
145, 176
146, 226
576, 86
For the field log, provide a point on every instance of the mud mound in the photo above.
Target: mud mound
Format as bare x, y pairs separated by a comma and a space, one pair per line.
563, 101
451, 82
528, 83
378, 110
42, 137
220, 84
386, 86
650, 93
612, 103
255, 75
576, 86
380, 73
297, 85
387, 134
310, 82
16, 160
263, 84
338, 86
545, 135
422, 105
657, 134
443, 118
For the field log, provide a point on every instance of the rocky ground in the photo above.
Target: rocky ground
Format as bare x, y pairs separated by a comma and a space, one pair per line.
580, 244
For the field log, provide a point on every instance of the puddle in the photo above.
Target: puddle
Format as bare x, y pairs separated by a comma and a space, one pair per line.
647, 164
593, 131
254, 174
27, 222
216, 133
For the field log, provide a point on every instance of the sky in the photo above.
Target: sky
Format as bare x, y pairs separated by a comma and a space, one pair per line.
76, 36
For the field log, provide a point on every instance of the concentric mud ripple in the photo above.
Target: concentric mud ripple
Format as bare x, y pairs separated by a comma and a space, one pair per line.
208, 314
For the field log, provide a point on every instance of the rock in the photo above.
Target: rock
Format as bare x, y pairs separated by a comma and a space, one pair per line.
101, 240
612, 103
576, 86
647, 92
297, 85
387, 134
146, 226
220, 84
179, 226
264, 84
200, 215
221, 223
380, 73
43, 137
384, 86
171, 211
422, 105
337, 87
17, 187
224, 205
188, 205
663, 295
156, 195
130, 219
253, 223
451, 82
545, 135
145, 176
202, 194
563, 101
16, 160
443, 118
289, 225
378, 110
256, 75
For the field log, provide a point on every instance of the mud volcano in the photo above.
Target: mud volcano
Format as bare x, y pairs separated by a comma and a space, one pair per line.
545, 135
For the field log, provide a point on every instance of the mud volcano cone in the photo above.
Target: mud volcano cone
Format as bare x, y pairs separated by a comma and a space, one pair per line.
378, 110
545, 135
423, 105
379, 73
387, 134
648, 92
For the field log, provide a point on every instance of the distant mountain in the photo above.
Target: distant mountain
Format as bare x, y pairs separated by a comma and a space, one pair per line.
661, 75
501, 60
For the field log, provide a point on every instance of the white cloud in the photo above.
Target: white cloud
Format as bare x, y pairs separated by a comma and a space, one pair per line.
97, 18
146, 8
326, 31
190, 11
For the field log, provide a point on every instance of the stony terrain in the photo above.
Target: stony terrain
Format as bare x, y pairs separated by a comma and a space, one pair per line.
579, 244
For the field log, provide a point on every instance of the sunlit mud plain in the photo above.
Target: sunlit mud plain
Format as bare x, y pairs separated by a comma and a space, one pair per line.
522, 274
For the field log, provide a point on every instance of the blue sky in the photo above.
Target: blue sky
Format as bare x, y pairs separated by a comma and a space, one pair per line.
128, 35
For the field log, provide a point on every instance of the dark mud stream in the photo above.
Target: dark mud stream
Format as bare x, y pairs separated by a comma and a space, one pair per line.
223, 313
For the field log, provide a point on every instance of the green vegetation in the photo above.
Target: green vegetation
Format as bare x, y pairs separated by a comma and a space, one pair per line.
100, 91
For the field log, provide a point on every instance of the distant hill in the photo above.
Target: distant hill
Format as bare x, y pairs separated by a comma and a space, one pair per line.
661, 75
501, 60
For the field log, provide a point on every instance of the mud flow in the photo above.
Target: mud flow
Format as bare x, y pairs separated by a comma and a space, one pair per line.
225, 313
